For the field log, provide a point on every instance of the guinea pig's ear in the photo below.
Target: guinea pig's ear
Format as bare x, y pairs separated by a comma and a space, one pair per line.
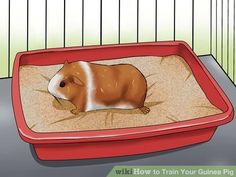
77, 81
66, 62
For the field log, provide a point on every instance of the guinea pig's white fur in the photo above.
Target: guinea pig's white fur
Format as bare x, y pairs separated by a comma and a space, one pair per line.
52, 86
90, 88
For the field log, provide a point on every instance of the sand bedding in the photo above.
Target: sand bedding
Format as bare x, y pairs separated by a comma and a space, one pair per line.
173, 95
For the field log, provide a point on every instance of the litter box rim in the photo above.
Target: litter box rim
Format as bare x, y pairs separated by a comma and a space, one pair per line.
32, 137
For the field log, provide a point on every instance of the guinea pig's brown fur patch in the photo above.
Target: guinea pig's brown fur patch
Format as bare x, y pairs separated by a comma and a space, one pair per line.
75, 92
119, 84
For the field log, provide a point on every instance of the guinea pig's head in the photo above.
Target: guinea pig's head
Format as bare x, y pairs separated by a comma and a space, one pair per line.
64, 84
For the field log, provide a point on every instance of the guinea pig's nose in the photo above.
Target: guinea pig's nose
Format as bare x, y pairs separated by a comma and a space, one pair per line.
62, 84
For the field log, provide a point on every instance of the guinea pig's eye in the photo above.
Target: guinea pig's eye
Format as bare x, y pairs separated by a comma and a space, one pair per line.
62, 84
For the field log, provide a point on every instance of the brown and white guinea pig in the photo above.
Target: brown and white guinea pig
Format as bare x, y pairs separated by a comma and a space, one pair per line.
92, 86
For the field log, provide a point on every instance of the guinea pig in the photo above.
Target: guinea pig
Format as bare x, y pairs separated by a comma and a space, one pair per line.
91, 86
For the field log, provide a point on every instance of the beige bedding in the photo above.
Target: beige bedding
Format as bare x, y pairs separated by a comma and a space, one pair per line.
173, 95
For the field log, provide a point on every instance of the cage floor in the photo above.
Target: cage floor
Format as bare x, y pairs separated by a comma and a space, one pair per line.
173, 95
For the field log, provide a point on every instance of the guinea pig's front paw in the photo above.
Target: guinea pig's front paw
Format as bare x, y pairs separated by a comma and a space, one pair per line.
74, 111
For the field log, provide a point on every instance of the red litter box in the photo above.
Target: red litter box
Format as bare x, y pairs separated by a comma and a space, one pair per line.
123, 141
